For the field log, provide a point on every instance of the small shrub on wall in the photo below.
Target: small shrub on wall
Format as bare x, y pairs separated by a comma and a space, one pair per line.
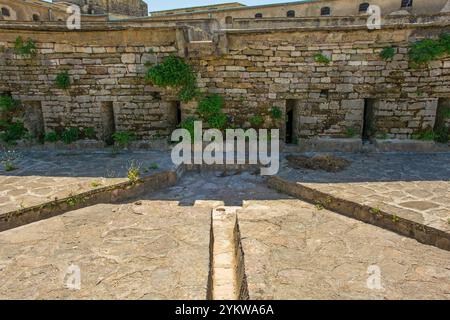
63, 80
387, 53
25, 48
175, 72
426, 50
70, 135
321, 58
210, 110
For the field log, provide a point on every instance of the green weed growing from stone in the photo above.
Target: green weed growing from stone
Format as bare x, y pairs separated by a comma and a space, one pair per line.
321, 58
276, 113
63, 80
423, 51
51, 136
154, 166
8, 104
123, 139
210, 110
89, 133
70, 135
256, 121
350, 132
25, 48
8, 159
387, 53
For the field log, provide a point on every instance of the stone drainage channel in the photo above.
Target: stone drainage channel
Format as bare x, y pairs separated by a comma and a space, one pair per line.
227, 258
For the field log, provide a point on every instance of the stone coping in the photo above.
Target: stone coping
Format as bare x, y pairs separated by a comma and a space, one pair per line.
110, 194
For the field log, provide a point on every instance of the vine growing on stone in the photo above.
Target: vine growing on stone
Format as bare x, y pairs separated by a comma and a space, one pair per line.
25, 48
176, 73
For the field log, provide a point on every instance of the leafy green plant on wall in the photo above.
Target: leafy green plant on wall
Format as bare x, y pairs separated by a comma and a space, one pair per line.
276, 113
25, 48
51, 136
123, 139
13, 131
8, 104
210, 110
423, 51
256, 121
63, 80
424, 135
89, 133
70, 135
387, 53
175, 72
321, 58
350, 132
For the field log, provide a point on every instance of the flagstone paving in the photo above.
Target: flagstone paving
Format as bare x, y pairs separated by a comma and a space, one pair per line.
147, 251
43, 176
293, 250
413, 186
158, 247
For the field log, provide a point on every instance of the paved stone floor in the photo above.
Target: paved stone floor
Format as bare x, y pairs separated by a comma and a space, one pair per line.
158, 247
414, 186
44, 176
154, 250
294, 251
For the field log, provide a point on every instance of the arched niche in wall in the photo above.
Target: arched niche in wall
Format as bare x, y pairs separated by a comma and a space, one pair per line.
325, 11
290, 14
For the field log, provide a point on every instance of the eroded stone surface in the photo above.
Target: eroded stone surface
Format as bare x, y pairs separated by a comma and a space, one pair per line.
413, 186
43, 176
149, 250
295, 251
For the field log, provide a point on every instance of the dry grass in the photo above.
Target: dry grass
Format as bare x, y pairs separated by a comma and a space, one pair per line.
324, 162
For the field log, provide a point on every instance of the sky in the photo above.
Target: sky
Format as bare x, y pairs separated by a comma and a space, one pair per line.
156, 5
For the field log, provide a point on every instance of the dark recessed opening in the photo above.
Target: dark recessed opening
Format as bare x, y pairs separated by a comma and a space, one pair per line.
5, 12
441, 126
369, 128
324, 93
291, 136
108, 122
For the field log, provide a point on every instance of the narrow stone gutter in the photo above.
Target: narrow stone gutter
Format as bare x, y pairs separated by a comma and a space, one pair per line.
227, 260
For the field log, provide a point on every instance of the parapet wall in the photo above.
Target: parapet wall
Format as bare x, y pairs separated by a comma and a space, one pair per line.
254, 70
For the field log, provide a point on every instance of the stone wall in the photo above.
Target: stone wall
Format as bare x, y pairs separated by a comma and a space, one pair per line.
105, 67
265, 69
257, 71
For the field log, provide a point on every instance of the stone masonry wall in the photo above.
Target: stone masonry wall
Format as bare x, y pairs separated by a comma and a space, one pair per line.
104, 67
260, 70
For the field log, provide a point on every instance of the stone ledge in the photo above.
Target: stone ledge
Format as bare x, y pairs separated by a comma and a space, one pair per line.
111, 194
367, 214
396, 145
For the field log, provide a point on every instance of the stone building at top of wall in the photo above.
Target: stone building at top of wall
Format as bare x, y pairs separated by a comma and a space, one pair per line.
227, 13
124, 8
91, 10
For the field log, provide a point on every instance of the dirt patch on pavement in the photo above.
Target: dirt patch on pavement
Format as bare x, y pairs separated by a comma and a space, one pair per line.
326, 162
